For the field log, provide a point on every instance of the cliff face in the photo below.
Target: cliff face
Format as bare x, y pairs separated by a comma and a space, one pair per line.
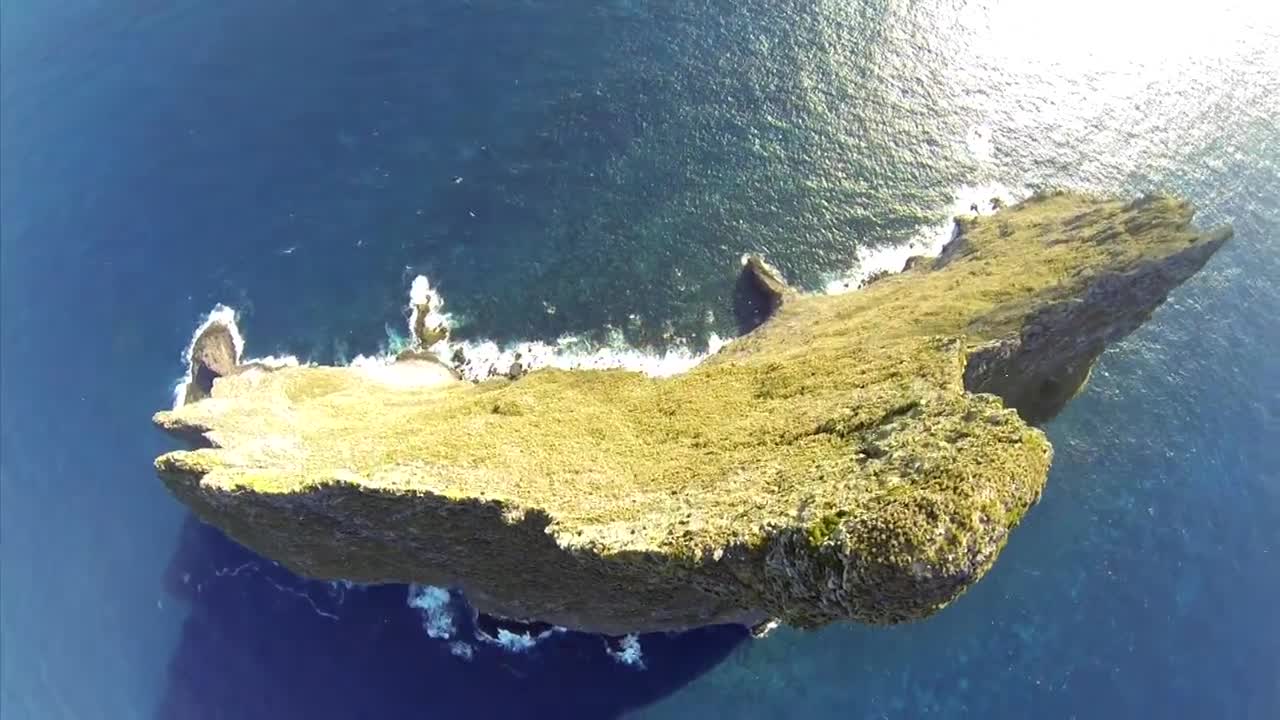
861, 456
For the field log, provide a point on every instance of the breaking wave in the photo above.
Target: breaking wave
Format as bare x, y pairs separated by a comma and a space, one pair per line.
626, 651
447, 616
486, 358
928, 241
516, 642
437, 611
478, 360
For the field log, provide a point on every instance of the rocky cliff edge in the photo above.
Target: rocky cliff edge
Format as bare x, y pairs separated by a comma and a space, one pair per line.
856, 457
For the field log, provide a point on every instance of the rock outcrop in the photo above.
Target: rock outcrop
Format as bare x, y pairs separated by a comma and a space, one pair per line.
213, 355
856, 457
758, 294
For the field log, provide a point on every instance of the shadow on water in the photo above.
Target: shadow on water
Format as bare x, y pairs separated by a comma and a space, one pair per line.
260, 643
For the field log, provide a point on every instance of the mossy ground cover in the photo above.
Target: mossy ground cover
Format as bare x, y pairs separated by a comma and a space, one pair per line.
828, 465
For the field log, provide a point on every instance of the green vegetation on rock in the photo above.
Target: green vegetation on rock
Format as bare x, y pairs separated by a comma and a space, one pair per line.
852, 458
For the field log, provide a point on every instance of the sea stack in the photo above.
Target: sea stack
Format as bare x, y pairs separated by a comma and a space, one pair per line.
213, 355
860, 457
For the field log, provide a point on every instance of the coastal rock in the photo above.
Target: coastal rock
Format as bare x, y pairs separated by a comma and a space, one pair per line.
759, 293
914, 261
861, 457
213, 355
874, 277
425, 321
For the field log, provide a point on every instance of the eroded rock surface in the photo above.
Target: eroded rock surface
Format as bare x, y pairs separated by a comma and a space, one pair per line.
856, 457
213, 355
758, 294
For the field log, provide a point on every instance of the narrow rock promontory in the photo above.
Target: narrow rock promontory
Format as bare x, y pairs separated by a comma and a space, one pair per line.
862, 456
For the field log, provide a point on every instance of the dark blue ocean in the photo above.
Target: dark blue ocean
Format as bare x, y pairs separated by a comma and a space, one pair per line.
596, 169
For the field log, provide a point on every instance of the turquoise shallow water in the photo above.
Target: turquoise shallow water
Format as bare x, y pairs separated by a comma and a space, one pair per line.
570, 168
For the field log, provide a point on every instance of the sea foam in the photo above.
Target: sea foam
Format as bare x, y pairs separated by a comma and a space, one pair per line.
928, 241
478, 360
437, 612
485, 358
627, 652
516, 642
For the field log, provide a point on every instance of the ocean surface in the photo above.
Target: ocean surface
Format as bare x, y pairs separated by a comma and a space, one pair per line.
589, 174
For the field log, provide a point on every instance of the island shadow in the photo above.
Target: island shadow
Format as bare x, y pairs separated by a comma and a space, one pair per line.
260, 643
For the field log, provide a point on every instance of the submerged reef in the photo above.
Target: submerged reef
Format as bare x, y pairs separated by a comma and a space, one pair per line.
862, 456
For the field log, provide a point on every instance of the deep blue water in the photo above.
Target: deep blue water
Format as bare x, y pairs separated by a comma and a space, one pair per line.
301, 162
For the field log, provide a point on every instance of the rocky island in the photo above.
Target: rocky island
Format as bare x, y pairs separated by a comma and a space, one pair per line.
861, 457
